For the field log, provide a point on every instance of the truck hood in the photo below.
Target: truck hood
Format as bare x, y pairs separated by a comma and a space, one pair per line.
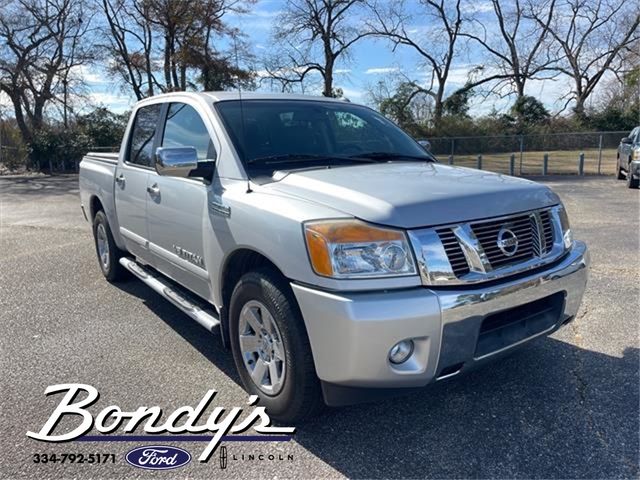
411, 195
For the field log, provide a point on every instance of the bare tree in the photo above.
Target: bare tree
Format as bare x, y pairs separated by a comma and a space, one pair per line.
436, 45
589, 36
131, 45
313, 35
515, 45
164, 45
41, 41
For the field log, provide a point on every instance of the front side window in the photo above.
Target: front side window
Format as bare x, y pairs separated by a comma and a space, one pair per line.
286, 134
142, 135
184, 128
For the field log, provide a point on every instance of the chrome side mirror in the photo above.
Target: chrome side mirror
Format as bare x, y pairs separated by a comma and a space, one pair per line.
426, 144
176, 161
626, 140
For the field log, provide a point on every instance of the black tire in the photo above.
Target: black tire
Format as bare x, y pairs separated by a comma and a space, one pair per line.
631, 182
300, 395
620, 174
110, 267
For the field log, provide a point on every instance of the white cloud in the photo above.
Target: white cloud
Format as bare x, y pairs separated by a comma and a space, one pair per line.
381, 70
4, 100
87, 74
478, 6
341, 71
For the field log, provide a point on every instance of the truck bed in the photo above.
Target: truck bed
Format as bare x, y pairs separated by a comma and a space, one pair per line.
97, 171
102, 157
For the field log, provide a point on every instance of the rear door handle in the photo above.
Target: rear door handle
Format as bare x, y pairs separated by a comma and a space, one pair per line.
154, 189
120, 179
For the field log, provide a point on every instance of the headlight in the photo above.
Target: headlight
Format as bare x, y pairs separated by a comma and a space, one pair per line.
354, 249
567, 237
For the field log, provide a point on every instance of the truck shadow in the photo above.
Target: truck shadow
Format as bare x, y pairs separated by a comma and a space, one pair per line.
208, 344
550, 410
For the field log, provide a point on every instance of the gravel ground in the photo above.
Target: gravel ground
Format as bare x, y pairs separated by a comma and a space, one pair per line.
562, 407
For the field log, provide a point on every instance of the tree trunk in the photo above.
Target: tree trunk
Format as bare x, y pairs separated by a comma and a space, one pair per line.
579, 109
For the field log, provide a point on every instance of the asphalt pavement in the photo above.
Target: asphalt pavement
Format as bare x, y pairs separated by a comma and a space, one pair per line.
566, 406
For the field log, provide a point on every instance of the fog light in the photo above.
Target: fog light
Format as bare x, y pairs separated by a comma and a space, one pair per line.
401, 351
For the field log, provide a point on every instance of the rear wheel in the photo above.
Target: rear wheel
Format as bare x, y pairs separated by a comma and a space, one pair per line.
271, 348
108, 252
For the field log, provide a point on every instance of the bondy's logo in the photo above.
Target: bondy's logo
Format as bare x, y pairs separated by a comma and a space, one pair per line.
158, 457
221, 422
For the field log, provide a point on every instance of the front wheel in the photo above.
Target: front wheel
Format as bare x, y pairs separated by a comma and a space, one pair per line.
271, 348
619, 169
631, 182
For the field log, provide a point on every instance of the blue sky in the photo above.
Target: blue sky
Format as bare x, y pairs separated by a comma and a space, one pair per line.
371, 60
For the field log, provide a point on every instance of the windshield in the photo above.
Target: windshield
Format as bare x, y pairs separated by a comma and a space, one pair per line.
274, 135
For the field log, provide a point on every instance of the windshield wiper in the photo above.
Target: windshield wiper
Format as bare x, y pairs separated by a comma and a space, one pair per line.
386, 156
293, 157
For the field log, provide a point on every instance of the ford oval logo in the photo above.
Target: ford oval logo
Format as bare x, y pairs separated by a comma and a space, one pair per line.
158, 457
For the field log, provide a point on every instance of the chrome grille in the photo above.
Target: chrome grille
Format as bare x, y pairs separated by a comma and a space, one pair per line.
468, 252
521, 226
547, 228
454, 252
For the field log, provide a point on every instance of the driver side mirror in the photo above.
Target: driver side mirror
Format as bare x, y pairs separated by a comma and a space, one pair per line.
182, 162
626, 140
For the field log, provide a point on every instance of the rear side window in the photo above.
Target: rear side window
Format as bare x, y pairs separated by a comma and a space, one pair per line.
185, 128
142, 136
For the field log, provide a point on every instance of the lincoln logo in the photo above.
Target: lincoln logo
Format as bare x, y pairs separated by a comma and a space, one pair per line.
507, 242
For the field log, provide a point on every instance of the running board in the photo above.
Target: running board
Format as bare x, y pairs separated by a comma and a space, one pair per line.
179, 299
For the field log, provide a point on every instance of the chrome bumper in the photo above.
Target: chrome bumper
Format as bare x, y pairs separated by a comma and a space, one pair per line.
634, 168
351, 333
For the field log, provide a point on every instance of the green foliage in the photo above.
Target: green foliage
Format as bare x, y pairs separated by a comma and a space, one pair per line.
613, 118
13, 151
457, 104
57, 149
397, 106
526, 112
103, 127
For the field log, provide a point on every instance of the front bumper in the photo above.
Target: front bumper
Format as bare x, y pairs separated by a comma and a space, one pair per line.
351, 333
634, 168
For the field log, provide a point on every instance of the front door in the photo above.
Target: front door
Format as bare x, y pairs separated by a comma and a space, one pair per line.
132, 176
177, 207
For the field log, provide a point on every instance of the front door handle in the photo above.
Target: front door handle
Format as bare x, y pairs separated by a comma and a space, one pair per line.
154, 189
120, 179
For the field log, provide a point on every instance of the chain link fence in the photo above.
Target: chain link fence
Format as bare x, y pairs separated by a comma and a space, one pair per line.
588, 153
581, 153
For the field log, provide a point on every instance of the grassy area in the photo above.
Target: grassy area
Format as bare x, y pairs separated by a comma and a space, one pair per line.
564, 162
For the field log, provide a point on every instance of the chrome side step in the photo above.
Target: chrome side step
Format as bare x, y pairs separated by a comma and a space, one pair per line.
208, 320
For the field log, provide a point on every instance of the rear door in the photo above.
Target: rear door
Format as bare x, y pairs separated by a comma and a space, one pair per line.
177, 211
132, 175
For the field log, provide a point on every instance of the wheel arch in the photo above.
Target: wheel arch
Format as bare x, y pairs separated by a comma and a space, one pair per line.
236, 264
95, 205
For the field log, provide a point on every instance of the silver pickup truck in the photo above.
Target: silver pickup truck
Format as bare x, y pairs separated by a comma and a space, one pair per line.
338, 260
